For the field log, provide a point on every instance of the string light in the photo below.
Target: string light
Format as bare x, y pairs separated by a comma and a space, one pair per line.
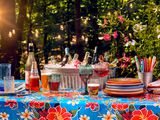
36, 33
13, 31
82, 37
10, 34
62, 27
74, 39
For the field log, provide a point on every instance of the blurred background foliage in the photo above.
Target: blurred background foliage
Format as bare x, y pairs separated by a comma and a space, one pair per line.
81, 25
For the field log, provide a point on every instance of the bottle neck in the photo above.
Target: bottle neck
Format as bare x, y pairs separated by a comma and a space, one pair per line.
75, 56
34, 69
66, 51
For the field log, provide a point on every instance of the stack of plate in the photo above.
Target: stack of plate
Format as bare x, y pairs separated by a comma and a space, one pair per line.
124, 87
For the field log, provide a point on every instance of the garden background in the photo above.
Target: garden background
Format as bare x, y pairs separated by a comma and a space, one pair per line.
120, 28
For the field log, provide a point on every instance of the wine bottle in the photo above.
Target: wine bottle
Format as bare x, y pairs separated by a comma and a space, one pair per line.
95, 56
34, 77
75, 57
67, 57
28, 64
86, 59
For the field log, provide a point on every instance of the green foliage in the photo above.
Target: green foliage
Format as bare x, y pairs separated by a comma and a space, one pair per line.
141, 25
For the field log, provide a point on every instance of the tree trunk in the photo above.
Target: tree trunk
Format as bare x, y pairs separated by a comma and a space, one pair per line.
93, 21
68, 23
19, 34
80, 50
30, 21
7, 24
45, 33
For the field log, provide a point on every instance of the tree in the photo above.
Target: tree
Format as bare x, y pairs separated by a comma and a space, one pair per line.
7, 31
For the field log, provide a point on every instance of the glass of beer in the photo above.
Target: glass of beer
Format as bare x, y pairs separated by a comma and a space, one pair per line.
93, 87
45, 79
54, 82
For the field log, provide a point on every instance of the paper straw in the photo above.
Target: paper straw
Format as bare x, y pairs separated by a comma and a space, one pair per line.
150, 62
142, 65
137, 63
153, 63
145, 65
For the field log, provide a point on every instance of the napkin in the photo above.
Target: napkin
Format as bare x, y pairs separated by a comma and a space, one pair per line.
155, 84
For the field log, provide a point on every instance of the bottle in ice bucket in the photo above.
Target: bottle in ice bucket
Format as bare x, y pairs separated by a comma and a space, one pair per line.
28, 64
86, 59
34, 78
95, 56
67, 57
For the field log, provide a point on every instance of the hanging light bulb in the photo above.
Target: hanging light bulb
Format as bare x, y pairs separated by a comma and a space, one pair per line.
13, 31
10, 34
62, 27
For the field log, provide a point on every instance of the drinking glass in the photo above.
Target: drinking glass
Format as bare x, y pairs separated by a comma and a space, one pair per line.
5, 70
93, 87
54, 82
101, 69
45, 79
85, 72
9, 84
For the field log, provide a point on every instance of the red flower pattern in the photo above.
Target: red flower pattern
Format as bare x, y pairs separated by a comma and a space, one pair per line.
92, 105
120, 106
143, 114
11, 103
36, 104
43, 113
42, 118
58, 113
127, 115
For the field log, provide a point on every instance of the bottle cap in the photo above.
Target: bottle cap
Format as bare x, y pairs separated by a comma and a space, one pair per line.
30, 47
95, 49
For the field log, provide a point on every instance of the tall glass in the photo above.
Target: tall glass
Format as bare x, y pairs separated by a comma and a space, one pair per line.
9, 84
5, 70
45, 79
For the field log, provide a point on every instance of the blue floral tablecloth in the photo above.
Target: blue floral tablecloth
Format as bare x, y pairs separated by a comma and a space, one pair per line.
72, 106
